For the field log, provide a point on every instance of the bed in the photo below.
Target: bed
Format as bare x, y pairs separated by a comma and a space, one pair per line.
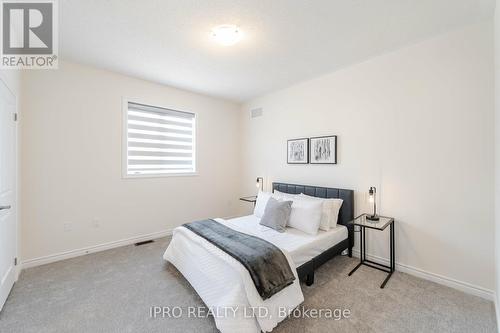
306, 271
223, 283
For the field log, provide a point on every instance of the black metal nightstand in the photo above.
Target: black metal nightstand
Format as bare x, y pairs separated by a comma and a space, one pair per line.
252, 198
362, 222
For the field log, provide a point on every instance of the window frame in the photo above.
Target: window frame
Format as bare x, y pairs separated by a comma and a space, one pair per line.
125, 175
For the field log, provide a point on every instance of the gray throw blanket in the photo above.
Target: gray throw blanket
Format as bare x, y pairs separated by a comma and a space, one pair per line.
265, 262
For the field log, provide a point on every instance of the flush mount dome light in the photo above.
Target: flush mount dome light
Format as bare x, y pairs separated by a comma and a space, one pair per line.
226, 34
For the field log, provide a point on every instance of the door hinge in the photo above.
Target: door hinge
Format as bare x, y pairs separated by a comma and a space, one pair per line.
15, 116
15, 261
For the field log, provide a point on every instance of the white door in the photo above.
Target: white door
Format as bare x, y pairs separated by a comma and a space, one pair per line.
8, 204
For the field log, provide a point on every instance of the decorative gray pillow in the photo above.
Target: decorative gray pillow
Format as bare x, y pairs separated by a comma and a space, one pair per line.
276, 214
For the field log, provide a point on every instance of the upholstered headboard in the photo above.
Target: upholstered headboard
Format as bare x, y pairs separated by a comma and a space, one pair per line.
346, 213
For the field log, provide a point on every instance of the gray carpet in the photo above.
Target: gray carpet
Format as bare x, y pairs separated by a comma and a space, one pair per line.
113, 291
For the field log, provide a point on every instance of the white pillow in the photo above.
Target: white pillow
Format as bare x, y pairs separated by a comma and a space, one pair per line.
261, 203
306, 215
326, 211
284, 196
337, 204
330, 213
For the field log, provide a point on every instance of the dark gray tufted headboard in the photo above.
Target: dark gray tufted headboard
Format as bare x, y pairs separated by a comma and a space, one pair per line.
346, 213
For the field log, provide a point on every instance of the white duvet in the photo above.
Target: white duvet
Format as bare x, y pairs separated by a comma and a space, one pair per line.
223, 283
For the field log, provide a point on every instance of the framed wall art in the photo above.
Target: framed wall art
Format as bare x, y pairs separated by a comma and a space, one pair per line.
323, 150
298, 151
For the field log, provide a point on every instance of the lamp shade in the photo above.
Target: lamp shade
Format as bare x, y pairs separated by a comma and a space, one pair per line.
372, 192
259, 183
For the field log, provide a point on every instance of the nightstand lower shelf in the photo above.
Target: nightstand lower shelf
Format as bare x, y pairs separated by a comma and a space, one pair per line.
378, 266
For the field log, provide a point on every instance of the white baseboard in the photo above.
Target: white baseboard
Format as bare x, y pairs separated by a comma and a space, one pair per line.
92, 249
446, 281
497, 312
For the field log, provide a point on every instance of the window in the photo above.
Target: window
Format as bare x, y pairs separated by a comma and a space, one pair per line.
159, 141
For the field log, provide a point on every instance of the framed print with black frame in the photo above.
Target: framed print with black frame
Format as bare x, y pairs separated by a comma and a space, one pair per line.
298, 151
323, 150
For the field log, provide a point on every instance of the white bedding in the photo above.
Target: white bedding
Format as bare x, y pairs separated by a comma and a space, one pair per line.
221, 281
302, 247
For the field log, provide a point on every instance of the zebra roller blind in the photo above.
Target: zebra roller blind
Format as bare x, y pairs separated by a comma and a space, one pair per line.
159, 141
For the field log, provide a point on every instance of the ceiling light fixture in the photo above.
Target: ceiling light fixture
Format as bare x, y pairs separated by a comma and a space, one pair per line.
226, 34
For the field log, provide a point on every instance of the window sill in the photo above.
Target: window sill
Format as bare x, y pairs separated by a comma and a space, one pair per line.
191, 174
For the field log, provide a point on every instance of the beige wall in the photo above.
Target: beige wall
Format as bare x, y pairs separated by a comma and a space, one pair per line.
72, 155
416, 123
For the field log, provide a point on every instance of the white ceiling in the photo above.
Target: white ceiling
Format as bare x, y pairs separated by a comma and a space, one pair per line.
286, 41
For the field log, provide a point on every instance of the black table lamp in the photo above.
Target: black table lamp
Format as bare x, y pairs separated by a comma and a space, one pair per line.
372, 198
260, 183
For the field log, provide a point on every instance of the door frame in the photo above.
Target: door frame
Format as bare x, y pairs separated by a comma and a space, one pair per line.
12, 99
